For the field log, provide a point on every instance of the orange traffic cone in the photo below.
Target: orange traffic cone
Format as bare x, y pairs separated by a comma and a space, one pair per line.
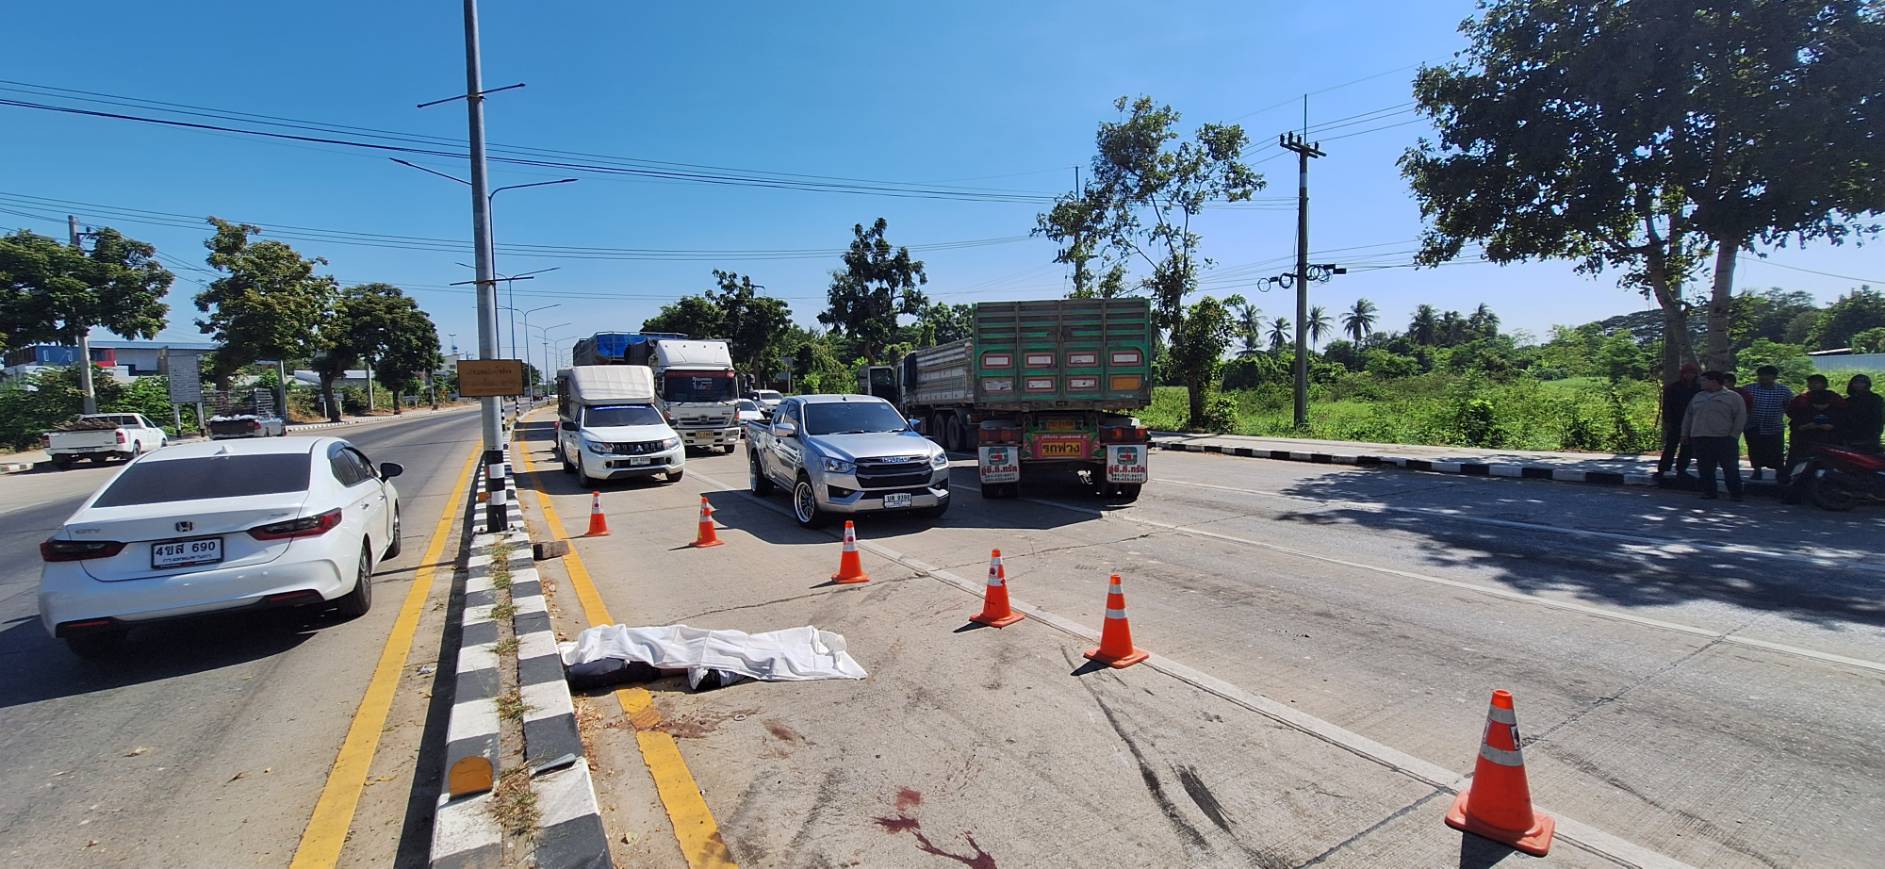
1498, 803
598, 523
995, 612
850, 568
1116, 649
705, 537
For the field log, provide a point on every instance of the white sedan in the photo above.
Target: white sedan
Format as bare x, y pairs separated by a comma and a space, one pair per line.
220, 525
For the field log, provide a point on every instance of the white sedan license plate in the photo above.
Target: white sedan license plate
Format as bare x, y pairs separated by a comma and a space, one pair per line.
897, 499
186, 553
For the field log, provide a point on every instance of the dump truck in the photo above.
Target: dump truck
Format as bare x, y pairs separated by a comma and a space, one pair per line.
1037, 388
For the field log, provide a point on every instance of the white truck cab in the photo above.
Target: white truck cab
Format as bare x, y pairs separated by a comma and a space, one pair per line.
698, 391
608, 426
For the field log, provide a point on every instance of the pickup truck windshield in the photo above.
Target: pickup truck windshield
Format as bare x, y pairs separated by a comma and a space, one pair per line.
612, 415
683, 387
852, 417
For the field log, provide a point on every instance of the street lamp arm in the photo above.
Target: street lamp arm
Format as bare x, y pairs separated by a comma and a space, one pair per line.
412, 165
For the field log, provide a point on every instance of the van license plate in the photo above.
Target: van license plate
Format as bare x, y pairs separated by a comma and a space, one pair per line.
186, 553
897, 499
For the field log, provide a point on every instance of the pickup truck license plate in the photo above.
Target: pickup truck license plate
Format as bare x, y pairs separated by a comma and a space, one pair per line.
186, 553
897, 499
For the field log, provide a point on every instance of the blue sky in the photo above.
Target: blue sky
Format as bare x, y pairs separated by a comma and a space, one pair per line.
989, 95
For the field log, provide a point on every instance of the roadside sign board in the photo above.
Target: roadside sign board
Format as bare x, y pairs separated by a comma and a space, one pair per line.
490, 378
180, 368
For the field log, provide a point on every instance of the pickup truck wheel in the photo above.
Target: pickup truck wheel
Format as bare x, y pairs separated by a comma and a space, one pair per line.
756, 479
63, 463
937, 511
562, 455
137, 449
805, 504
675, 476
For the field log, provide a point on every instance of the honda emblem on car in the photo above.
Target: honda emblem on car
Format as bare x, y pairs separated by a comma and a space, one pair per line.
186, 526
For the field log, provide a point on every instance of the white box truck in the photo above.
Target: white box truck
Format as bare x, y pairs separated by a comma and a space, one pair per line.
608, 426
698, 391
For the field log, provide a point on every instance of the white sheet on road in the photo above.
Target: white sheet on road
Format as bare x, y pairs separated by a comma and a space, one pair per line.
793, 655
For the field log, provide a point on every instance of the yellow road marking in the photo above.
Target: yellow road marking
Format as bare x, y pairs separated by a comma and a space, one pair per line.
326, 832
694, 826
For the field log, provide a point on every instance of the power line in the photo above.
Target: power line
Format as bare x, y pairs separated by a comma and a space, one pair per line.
1759, 261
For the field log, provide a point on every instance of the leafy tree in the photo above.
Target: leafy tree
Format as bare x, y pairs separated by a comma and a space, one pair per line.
1319, 324
1199, 343
877, 285
1767, 314
1850, 314
1424, 328
941, 323
1358, 320
1344, 353
1388, 365
1549, 149
1869, 341
750, 322
1144, 193
1279, 334
1795, 366
269, 303
696, 316
51, 292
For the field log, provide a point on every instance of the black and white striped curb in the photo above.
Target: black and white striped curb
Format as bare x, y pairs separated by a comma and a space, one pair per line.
15, 467
570, 831
1471, 469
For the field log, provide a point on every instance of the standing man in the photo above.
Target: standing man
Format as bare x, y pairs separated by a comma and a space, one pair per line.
1713, 424
1676, 396
1865, 414
1767, 423
1817, 416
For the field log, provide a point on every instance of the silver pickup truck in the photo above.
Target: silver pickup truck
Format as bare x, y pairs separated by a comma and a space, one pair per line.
845, 454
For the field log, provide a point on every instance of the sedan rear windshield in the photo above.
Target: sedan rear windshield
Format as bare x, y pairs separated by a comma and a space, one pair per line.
613, 415
157, 482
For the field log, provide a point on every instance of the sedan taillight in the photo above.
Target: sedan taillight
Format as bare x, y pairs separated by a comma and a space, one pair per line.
78, 550
306, 526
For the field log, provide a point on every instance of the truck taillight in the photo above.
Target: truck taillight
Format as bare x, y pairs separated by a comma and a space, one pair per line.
120, 434
1123, 434
1001, 436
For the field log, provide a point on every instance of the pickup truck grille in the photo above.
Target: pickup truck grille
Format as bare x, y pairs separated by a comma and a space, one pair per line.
635, 449
893, 474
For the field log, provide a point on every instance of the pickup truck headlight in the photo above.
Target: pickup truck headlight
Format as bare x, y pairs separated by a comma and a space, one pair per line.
840, 466
939, 460
670, 443
595, 446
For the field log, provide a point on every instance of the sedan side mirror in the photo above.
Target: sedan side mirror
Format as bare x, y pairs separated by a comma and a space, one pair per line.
784, 429
389, 470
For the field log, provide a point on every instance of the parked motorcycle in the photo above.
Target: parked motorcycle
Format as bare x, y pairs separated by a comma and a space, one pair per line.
1835, 478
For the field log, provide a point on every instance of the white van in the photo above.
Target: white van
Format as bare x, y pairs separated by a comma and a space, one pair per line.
609, 428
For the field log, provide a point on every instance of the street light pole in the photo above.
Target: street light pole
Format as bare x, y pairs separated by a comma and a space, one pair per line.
526, 349
481, 223
549, 365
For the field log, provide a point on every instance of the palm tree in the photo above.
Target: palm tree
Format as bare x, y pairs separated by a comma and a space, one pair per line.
1483, 322
1358, 322
1452, 329
1279, 334
1249, 328
1319, 324
1425, 326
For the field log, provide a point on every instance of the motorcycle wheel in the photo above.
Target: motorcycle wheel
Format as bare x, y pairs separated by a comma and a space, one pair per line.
1829, 492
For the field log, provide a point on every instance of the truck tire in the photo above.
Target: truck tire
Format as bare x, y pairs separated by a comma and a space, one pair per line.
992, 491
756, 479
62, 462
675, 476
805, 504
954, 435
1122, 493
562, 455
937, 511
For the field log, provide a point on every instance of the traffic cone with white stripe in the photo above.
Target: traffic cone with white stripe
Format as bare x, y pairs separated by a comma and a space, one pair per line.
705, 536
995, 611
1498, 803
850, 567
598, 523
1116, 649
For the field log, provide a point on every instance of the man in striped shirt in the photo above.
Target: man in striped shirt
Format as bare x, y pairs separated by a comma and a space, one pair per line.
1767, 423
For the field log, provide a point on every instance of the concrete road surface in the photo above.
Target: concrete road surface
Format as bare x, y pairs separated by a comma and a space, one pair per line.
208, 742
1694, 685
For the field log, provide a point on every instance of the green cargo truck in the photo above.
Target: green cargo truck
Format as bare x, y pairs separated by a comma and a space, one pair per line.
1040, 387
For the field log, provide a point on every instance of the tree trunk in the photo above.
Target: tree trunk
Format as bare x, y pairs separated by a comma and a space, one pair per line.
397, 394
1720, 306
1676, 348
327, 398
1196, 386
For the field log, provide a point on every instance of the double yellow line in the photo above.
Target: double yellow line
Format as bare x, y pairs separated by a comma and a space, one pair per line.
694, 826
326, 832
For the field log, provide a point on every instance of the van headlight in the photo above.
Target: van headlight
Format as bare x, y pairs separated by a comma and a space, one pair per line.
939, 460
840, 466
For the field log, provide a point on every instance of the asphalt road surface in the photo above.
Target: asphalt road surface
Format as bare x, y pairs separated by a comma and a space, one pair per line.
209, 741
1695, 683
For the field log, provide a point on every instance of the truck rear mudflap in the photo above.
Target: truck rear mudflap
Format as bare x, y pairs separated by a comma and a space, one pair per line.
1126, 464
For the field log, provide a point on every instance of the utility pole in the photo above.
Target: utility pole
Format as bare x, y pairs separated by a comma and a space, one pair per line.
83, 335
489, 409
1304, 151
